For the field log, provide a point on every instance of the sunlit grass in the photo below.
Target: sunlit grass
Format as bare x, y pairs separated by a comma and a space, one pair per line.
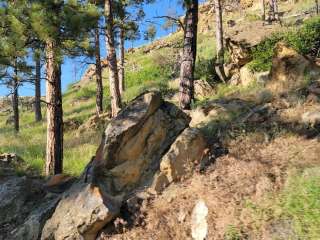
301, 202
30, 144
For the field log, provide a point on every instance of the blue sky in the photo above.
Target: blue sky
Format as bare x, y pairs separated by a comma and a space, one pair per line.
72, 69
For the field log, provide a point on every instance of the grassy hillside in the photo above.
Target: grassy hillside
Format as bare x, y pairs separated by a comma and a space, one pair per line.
268, 149
149, 67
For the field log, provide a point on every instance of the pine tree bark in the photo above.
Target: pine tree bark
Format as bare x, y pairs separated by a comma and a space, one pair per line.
189, 55
121, 67
99, 84
276, 10
15, 101
112, 59
219, 42
54, 155
37, 95
263, 10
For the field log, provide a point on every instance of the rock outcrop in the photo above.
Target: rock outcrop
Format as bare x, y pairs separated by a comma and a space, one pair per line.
24, 208
128, 158
95, 123
146, 147
290, 69
81, 213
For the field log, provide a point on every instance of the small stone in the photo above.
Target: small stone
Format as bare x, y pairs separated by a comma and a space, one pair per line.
199, 225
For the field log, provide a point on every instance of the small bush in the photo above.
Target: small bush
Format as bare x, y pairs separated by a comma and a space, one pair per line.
233, 233
205, 70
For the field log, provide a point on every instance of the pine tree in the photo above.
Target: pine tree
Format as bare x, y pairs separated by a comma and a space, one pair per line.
127, 24
98, 71
61, 26
37, 86
133, 34
112, 58
263, 10
219, 41
150, 33
13, 50
189, 54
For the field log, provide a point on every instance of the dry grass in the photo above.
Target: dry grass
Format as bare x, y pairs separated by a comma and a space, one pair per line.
253, 171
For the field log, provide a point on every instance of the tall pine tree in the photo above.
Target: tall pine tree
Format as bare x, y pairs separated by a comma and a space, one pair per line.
61, 26
13, 42
112, 57
189, 54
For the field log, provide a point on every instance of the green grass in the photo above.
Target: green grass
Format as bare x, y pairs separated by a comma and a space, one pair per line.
232, 233
143, 72
300, 202
30, 144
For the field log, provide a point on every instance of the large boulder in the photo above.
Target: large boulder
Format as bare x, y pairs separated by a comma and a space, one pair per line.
135, 141
290, 69
81, 213
187, 152
240, 52
128, 158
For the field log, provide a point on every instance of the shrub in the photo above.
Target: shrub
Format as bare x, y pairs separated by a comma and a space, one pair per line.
303, 40
205, 70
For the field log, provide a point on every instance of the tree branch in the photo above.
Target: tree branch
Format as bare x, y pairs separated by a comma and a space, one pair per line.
177, 20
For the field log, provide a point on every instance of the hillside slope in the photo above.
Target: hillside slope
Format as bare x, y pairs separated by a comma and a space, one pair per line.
148, 67
263, 180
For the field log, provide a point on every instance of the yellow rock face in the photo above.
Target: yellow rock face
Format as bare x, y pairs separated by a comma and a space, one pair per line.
289, 69
185, 153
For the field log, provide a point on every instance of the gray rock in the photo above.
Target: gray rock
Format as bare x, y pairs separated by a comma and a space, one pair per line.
81, 213
23, 208
32, 227
262, 77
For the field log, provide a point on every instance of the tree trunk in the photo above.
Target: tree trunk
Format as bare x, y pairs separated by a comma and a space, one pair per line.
121, 67
317, 6
37, 95
272, 15
263, 10
99, 87
219, 38
112, 60
54, 158
189, 55
276, 10
15, 100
